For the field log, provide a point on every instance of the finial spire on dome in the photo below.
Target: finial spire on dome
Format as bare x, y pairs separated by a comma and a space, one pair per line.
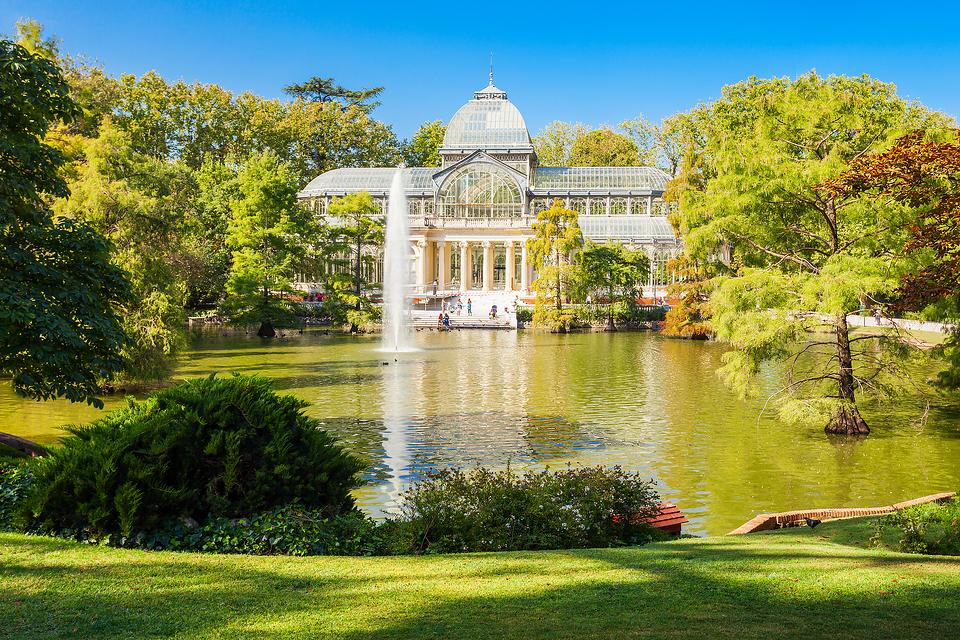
491, 68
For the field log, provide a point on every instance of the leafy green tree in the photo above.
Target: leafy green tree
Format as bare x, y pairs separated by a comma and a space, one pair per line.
615, 271
270, 235
604, 148
554, 142
318, 89
423, 150
805, 256
59, 335
556, 236
353, 240
646, 136
138, 203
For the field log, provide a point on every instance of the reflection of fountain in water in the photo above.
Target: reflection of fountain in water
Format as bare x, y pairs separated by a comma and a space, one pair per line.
396, 270
396, 415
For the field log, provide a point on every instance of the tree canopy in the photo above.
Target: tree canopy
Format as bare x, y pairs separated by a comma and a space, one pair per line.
59, 335
423, 149
604, 148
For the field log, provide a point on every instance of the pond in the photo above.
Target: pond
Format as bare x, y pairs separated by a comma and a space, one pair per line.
530, 399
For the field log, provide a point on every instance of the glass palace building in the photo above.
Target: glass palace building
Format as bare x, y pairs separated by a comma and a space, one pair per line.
471, 217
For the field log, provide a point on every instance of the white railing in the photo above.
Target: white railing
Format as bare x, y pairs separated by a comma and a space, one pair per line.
436, 222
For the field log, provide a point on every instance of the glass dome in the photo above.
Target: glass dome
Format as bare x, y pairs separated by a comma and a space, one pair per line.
489, 121
480, 191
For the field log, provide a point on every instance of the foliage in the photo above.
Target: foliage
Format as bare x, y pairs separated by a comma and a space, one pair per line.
484, 510
556, 234
15, 482
318, 89
921, 172
690, 316
524, 315
613, 271
423, 150
554, 143
137, 202
604, 148
204, 448
289, 530
927, 528
351, 243
269, 235
623, 312
59, 335
805, 255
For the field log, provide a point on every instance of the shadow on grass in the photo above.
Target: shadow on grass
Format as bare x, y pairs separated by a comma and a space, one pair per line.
787, 587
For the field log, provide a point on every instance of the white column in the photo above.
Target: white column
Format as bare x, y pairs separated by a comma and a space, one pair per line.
524, 267
649, 205
510, 276
464, 266
421, 265
487, 265
441, 249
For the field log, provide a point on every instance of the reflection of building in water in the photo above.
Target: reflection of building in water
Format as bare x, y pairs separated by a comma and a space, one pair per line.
471, 217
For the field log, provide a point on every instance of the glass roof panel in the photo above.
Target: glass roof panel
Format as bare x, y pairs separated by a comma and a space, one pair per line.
487, 124
626, 228
599, 179
375, 180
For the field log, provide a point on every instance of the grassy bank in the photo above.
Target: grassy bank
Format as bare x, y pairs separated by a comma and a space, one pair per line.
796, 583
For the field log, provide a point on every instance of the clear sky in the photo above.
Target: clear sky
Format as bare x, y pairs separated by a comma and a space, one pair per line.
588, 61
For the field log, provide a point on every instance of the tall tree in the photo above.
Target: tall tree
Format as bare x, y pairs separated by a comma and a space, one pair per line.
270, 234
318, 89
604, 148
423, 150
59, 335
353, 239
806, 256
138, 203
554, 142
556, 235
615, 271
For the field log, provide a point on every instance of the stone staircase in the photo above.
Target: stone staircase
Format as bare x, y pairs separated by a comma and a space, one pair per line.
427, 320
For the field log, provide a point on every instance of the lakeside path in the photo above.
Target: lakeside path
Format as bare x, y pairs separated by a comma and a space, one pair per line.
798, 583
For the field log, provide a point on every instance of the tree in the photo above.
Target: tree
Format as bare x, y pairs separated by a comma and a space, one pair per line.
318, 89
554, 143
138, 203
269, 235
556, 235
806, 256
646, 136
349, 240
604, 148
614, 270
59, 335
423, 150
921, 172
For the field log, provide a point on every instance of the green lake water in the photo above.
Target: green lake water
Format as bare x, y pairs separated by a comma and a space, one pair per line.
531, 399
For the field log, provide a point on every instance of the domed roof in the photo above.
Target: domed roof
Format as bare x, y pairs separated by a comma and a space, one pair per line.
489, 121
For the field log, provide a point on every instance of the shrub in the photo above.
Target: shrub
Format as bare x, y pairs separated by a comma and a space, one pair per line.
282, 531
204, 448
524, 315
927, 528
484, 510
15, 481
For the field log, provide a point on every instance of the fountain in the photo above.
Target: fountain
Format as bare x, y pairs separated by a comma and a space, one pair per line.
396, 270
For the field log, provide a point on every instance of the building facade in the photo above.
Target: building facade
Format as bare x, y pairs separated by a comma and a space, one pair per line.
471, 217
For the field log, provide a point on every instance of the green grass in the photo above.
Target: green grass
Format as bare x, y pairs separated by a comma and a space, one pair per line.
793, 583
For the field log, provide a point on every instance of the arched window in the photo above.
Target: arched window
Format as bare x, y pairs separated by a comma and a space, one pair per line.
480, 191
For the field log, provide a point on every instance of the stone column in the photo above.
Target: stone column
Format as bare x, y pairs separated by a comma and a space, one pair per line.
421, 265
649, 205
510, 276
441, 249
464, 266
487, 265
524, 267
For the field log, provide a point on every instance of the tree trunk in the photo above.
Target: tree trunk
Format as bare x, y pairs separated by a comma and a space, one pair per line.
610, 325
847, 420
22, 445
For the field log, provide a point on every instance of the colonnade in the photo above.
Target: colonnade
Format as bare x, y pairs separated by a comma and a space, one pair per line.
435, 259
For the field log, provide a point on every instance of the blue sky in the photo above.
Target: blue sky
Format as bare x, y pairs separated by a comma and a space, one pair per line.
593, 62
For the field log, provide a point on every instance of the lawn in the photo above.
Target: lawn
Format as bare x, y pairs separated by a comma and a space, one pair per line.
796, 583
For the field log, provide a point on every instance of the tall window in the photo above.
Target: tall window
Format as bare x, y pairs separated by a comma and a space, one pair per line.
480, 191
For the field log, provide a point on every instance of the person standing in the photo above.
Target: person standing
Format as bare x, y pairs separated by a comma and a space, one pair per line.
435, 286
446, 322
469, 307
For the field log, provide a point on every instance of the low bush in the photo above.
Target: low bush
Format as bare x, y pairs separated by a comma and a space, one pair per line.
15, 481
203, 449
283, 531
484, 510
524, 315
932, 528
